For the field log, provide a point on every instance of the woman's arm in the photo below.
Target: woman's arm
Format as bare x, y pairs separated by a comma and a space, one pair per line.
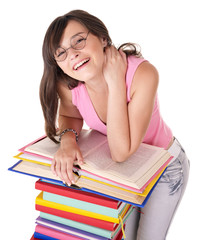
127, 124
69, 117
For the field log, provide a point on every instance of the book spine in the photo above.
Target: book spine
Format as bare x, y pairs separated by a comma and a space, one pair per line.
77, 194
69, 230
97, 231
80, 204
75, 217
39, 236
40, 201
54, 234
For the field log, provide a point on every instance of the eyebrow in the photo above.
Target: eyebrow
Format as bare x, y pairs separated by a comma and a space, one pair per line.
72, 38
76, 34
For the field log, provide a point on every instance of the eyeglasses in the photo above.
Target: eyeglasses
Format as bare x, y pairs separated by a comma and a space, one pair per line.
77, 42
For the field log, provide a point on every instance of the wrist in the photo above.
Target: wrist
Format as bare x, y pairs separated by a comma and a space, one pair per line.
68, 133
116, 85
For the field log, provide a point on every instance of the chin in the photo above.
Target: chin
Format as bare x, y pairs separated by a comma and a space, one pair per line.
84, 77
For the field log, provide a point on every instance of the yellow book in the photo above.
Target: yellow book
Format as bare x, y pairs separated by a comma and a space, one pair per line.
144, 194
82, 182
33, 159
135, 173
42, 202
46, 162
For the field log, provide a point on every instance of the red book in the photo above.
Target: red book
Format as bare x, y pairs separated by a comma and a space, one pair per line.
79, 218
77, 194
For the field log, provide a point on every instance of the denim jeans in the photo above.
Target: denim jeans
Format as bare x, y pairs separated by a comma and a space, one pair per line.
155, 218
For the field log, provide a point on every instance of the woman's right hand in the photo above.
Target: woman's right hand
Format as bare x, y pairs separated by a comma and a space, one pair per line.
63, 161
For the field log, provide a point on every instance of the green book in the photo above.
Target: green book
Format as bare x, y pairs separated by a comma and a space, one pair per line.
111, 212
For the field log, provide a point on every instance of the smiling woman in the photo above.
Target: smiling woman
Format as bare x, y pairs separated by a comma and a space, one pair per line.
74, 39
115, 92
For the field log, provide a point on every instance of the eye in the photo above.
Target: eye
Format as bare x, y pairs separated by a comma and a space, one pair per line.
59, 52
79, 40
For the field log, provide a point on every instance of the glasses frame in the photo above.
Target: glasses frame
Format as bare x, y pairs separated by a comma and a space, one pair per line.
71, 46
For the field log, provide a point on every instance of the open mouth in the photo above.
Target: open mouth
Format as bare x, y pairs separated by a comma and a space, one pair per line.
80, 64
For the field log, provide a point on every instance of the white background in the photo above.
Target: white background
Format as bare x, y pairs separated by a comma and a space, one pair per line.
166, 32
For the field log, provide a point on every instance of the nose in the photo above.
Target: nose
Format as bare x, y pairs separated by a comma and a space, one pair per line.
73, 53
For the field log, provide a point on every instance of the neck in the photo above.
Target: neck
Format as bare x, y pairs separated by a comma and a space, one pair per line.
97, 85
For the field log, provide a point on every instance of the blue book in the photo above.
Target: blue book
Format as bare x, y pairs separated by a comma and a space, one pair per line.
44, 172
43, 237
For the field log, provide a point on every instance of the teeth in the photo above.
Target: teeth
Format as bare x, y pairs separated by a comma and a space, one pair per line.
79, 64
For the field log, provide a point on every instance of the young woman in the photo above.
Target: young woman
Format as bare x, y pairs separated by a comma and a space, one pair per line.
115, 92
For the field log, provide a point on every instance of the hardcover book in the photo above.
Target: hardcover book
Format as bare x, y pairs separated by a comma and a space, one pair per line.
137, 171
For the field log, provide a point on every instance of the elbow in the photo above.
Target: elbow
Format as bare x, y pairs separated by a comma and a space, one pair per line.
122, 156
119, 159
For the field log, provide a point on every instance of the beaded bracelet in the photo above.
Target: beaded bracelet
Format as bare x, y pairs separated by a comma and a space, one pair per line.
69, 130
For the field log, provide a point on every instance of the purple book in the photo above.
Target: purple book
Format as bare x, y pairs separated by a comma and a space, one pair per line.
69, 230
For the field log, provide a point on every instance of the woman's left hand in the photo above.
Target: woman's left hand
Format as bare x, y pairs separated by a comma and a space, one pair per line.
115, 67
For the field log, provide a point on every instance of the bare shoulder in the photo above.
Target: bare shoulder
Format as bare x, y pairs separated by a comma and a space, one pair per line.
146, 76
67, 108
64, 93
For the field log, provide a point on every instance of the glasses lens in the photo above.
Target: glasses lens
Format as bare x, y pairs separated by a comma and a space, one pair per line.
78, 42
60, 54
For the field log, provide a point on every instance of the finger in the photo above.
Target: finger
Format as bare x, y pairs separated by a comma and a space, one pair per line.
80, 157
110, 51
58, 170
53, 167
64, 175
123, 55
70, 173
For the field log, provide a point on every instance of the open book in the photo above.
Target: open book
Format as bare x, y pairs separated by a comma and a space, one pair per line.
136, 172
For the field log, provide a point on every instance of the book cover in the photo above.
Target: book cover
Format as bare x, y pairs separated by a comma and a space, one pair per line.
39, 236
85, 227
70, 230
109, 183
72, 217
34, 238
76, 194
41, 201
83, 205
54, 233
85, 184
34, 159
134, 172
141, 192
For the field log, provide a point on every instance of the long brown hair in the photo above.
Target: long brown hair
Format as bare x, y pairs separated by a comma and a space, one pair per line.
52, 72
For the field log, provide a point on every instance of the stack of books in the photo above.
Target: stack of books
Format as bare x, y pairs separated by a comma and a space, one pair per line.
128, 183
67, 213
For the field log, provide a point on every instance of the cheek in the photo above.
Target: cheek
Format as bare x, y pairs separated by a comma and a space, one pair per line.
64, 67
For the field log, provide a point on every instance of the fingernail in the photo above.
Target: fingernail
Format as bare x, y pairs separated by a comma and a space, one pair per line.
68, 184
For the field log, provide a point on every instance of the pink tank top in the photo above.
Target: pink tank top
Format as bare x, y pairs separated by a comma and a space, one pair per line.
158, 133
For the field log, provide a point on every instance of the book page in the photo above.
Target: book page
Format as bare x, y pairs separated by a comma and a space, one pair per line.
100, 159
96, 152
89, 140
136, 165
45, 147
